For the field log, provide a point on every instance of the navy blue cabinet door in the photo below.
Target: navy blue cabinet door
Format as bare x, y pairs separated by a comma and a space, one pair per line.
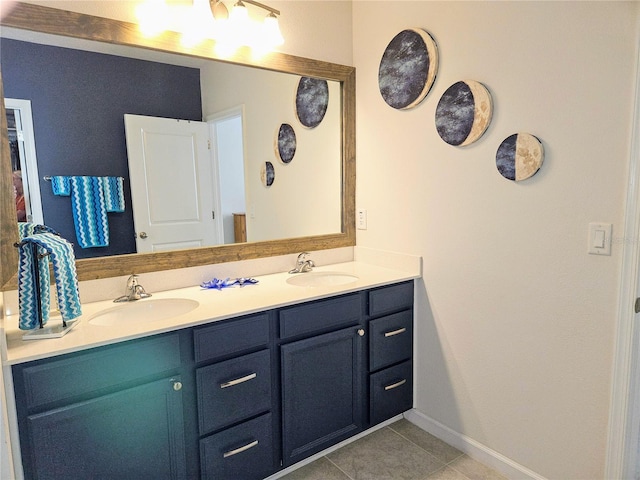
135, 434
321, 392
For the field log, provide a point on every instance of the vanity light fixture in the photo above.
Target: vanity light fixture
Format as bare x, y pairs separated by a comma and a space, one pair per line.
212, 19
240, 30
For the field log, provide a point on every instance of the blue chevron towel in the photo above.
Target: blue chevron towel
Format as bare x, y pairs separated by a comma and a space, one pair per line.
64, 271
29, 228
113, 193
61, 186
91, 199
26, 284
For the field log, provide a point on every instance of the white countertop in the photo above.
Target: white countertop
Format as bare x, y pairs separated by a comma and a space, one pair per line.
272, 291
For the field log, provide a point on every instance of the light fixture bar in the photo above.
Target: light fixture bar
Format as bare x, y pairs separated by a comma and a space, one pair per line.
262, 5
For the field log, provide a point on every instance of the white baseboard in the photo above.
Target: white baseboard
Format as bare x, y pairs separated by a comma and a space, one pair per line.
471, 447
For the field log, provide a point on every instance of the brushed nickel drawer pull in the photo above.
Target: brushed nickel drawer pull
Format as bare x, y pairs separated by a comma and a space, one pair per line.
231, 453
395, 332
231, 383
395, 385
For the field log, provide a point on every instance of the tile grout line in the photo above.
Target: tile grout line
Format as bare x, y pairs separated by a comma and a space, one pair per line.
444, 464
335, 465
425, 450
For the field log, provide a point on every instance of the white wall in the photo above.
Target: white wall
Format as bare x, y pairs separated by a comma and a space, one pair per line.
515, 322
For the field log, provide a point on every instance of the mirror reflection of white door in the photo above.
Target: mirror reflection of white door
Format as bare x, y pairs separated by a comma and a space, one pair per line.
25, 154
226, 133
172, 184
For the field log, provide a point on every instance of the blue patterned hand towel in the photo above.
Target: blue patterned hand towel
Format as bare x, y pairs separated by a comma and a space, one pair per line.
113, 193
61, 186
64, 271
88, 208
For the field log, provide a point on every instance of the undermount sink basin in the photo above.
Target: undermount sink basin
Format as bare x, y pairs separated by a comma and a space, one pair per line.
321, 279
143, 311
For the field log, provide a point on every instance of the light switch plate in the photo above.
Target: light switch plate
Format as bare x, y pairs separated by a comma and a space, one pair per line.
361, 219
599, 239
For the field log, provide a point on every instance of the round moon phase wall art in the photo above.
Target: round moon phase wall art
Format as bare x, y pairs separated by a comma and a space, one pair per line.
408, 68
519, 156
312, 100
267, 174
285, 143
463, 113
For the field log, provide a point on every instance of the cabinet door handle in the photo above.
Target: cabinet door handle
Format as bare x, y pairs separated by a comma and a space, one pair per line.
231, 453
395, 385
231, 383
395, 332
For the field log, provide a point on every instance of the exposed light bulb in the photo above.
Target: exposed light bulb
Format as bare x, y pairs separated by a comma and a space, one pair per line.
239, 14
198, 24
153, 17
271, 34
239, 30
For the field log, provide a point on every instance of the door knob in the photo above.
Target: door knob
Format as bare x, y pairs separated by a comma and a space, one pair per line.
361, 332
143, 235
177, 386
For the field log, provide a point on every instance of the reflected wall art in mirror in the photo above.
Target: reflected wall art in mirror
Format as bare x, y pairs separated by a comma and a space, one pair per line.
94, 143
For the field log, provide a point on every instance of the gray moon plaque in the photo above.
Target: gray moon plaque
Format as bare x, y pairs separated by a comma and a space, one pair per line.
519, 156
285, 143
408, 68
267, 174
464, 113
312, 100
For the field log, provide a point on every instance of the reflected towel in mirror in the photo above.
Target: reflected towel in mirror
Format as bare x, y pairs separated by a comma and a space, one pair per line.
91, 199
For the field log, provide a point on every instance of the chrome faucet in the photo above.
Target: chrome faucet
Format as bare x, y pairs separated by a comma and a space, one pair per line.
134, 291
303, 264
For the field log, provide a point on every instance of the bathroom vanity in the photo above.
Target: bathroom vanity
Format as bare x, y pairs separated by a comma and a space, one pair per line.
225, 397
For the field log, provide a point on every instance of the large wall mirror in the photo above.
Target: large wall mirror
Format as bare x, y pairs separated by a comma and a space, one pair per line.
308, 206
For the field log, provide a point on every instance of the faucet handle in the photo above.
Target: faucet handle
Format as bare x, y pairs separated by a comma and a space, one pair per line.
132, 281
302, 257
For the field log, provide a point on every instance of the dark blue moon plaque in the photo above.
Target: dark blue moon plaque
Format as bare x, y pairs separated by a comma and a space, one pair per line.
286, 143
463, 113
267, 174
408, 68
312, 100
519, 156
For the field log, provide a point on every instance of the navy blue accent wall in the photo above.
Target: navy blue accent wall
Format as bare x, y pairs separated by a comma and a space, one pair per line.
78, 101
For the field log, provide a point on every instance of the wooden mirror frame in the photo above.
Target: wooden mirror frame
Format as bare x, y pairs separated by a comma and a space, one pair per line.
61, 22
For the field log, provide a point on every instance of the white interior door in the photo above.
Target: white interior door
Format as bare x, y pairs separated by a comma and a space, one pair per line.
172, 183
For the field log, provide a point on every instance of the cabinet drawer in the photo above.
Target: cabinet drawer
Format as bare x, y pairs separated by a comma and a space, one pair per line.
390, 299
241, 452
234, 336
230, 391
318, 316
390, 339
95, 370
391, 392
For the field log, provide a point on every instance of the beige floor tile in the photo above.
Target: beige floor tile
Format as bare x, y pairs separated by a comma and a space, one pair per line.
321, 469
436, 447
447, 473
474, 470
384, 455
